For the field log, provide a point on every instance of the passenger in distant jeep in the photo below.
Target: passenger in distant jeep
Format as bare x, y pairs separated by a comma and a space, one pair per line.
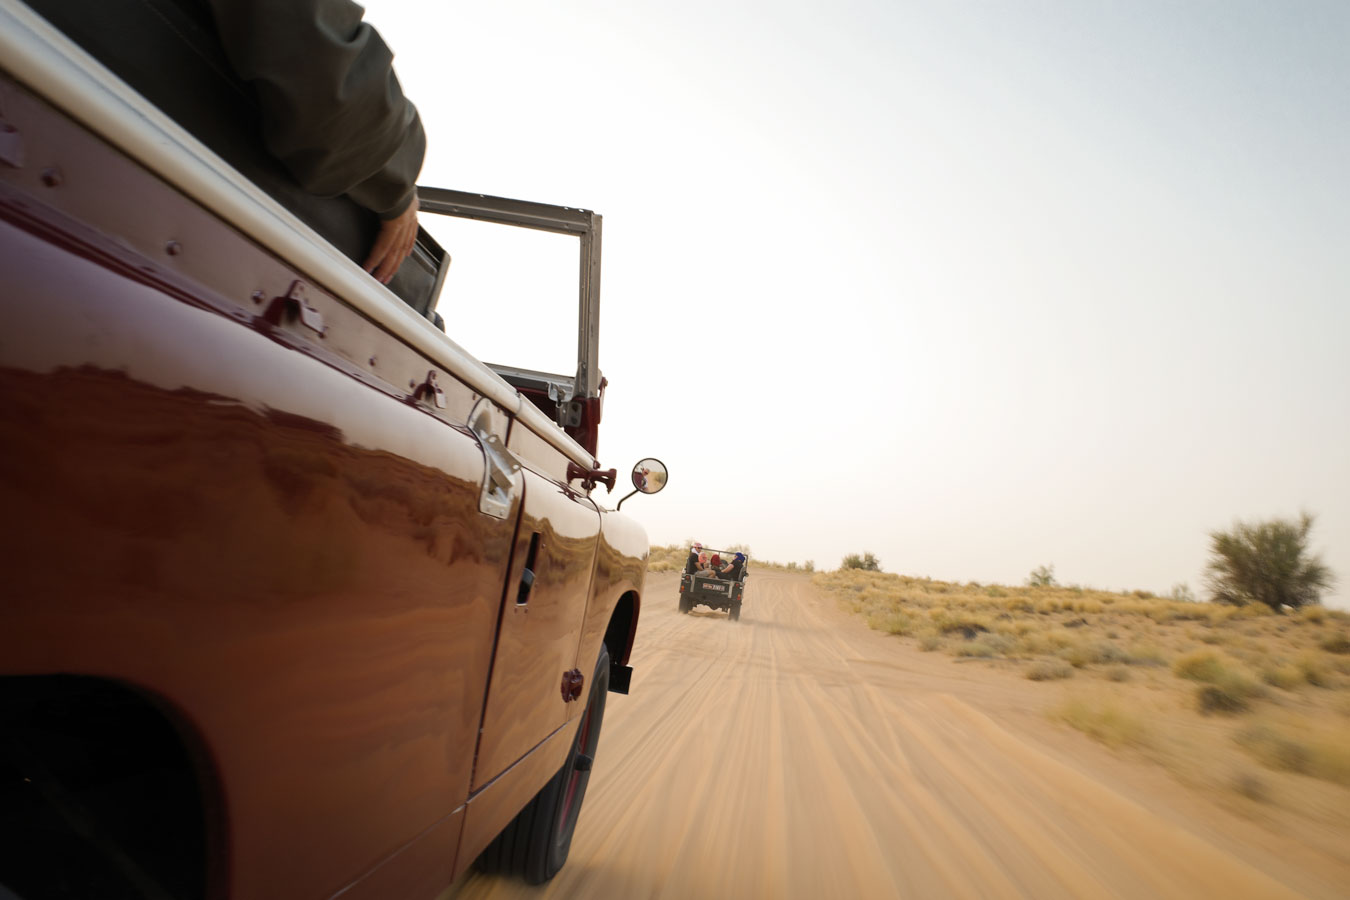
691, 564
732, 570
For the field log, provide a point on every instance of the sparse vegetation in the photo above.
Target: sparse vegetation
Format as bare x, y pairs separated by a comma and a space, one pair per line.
1338, 642
671, 558
1317, 749
864, 561
1106, 719
1049, 670
1042, 576
1182, 593
1266, 562
1176, 678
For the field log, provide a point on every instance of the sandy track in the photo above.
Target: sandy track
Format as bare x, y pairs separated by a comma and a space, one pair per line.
796, 754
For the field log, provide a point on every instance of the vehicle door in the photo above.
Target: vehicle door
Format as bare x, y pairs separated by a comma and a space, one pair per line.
542, 613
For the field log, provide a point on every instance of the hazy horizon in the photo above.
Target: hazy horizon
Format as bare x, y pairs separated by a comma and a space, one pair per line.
976, 287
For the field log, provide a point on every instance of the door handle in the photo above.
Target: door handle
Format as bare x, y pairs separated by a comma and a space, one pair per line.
527, 576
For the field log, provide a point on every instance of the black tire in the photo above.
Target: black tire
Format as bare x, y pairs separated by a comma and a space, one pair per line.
734, 613
685, 603
536, 843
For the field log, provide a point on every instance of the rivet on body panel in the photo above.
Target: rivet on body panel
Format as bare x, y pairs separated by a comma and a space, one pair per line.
173, 248
11, 145
52, 177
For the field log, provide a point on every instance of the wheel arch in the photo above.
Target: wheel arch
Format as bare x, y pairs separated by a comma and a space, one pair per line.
85, 737
619, 634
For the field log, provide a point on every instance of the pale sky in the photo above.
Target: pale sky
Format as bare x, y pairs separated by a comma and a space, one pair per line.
977, 287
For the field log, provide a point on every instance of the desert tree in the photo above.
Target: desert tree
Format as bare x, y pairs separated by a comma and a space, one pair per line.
1266, 562
1042, 576
867, 562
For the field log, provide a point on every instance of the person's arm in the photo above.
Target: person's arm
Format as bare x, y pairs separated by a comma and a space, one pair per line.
332, 109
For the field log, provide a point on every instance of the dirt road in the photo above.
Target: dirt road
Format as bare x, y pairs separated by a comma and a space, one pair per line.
797, 754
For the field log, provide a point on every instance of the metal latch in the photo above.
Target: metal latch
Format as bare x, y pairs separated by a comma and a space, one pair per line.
501, 470
296, 302
430, 391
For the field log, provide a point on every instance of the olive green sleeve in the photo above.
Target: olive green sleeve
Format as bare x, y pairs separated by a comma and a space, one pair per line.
332, 108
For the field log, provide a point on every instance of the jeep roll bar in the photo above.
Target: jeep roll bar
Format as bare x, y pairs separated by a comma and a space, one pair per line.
582, 223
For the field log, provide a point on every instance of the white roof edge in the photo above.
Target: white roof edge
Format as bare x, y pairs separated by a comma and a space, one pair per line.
49, 63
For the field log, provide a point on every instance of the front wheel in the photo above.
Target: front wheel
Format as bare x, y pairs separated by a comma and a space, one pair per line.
536, 843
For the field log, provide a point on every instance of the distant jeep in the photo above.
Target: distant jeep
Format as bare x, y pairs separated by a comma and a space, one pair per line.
718, 587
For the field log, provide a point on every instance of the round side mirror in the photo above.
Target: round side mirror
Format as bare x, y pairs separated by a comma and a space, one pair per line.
649, 475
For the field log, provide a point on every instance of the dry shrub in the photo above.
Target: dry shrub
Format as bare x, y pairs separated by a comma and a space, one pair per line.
1060, 638
891, 622
1217, 698
947, 621
1089, 652
1117, 673
1224, 688
986, 646
1315, 614
1049, 670
1200, 665
1146, 655
1282, 675
1106, 720
1252, 786
1320, 750
1336, 642
1314, 669
1275, 750
930, 642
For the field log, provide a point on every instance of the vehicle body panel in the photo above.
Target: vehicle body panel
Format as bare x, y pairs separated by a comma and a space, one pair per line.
270, 527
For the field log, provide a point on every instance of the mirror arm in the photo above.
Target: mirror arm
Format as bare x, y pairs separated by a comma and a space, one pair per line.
618, 506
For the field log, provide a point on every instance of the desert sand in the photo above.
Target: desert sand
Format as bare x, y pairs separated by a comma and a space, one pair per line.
798, 754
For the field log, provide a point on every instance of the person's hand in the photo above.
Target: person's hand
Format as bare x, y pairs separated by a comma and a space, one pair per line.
393, 244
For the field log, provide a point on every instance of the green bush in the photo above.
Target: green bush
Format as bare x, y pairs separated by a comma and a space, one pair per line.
1266, 562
